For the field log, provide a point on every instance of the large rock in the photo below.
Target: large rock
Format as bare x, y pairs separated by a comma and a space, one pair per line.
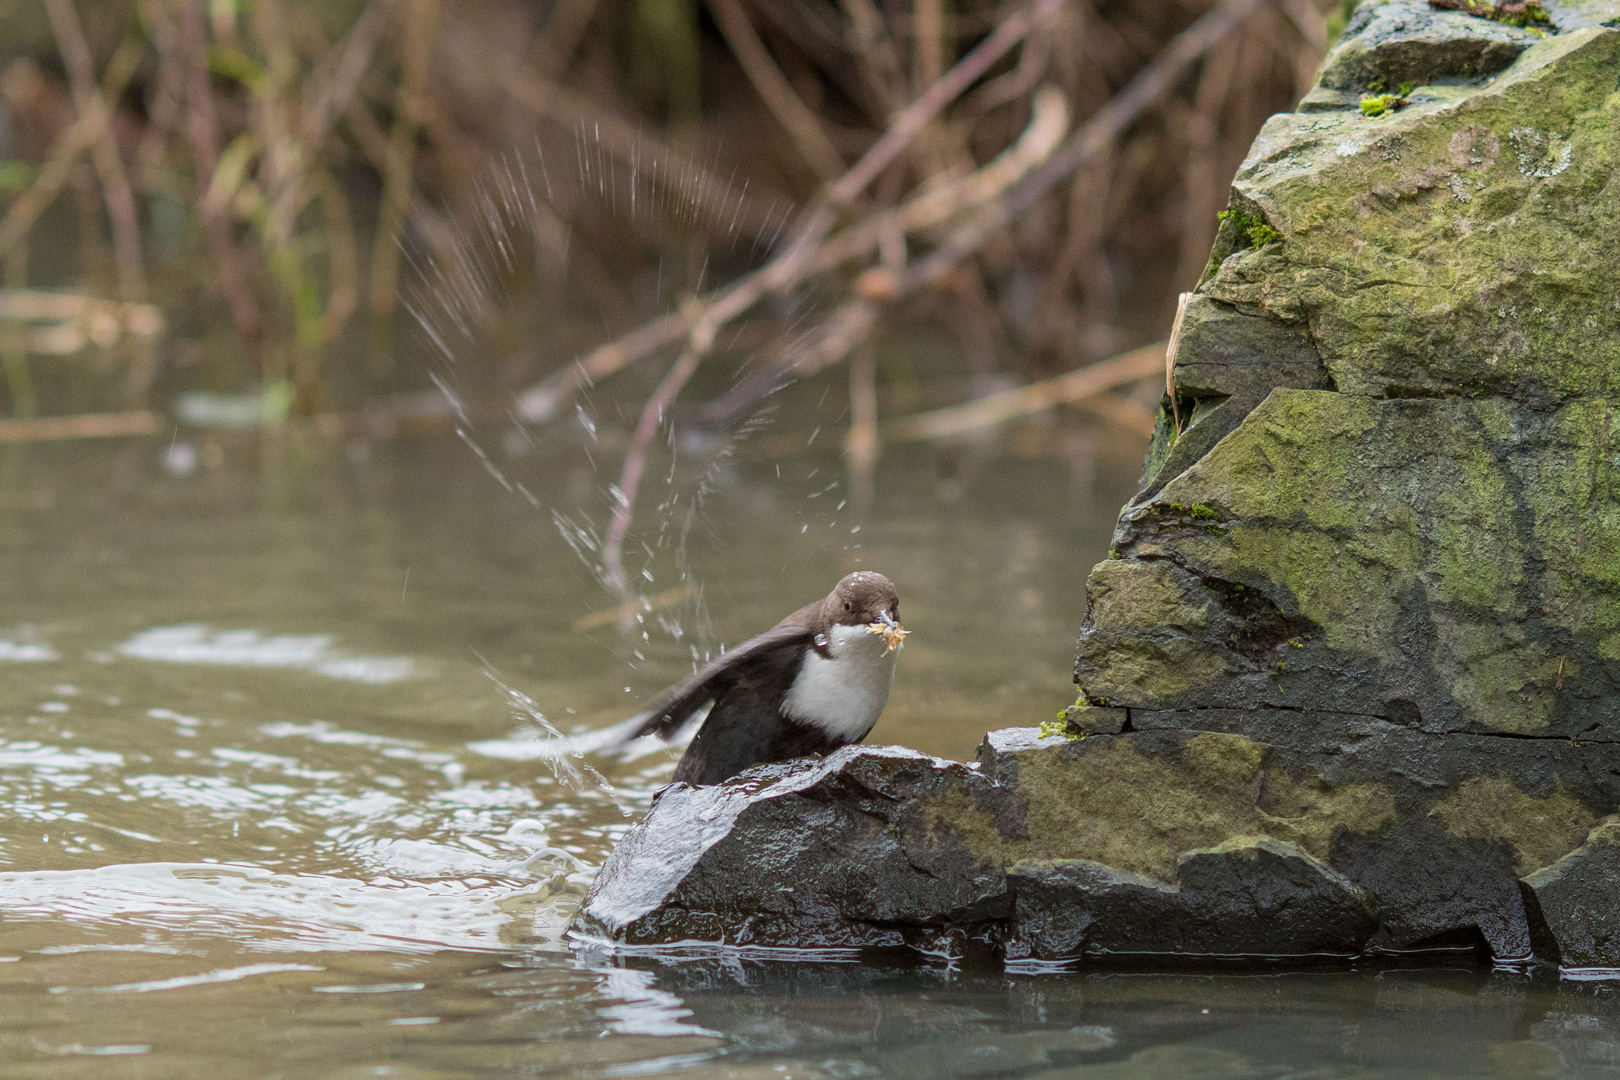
1350, 677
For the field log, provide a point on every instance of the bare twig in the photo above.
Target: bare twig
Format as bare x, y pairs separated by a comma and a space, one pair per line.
1125, 412
880, 61
667, 598
58, 167
1049, 121
929, 48
565, 28
774, 90
756, 218
19, 381
202, 130
333, 83
1028, 400
91, 426
420, 33
861, 444
543, 400
115, 189
342, 260
635, 461
912, 120
856, 317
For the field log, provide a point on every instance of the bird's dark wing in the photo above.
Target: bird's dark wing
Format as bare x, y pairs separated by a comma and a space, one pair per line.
703, 686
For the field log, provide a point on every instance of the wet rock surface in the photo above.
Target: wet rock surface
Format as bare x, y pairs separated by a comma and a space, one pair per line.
1574, 901
1349, 676
1247, 897
1407, 41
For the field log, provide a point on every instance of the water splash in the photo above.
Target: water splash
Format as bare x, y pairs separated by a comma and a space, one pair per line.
565, 758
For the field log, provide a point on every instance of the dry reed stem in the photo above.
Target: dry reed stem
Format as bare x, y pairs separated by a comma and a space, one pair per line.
928, 46
19, 381
342, 259
880, 61
565, 29
861, 445
58, 168
90, 426
109, 165
1028, 400
421, 32
631, 608
635, 461
202, 130
1049, 122
1125, 412
775, 91
332, 85
855, 318
629, 146
786, 270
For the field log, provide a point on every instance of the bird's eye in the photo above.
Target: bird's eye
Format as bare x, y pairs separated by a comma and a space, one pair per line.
846, 605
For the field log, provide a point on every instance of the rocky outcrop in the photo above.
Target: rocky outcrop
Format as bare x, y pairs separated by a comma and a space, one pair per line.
1350, 677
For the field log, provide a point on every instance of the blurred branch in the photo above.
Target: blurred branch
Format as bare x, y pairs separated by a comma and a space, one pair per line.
634, 148
855, 318
929, 43
1086, 382
565, 28
787, 269
91, 426
343, 263
84, 131
773, 89
869, 39
202, 130
421, 31
332, 85
1049, 121
635, 462
109, 165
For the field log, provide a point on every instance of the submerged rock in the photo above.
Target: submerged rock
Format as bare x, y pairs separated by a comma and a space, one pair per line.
1351, 675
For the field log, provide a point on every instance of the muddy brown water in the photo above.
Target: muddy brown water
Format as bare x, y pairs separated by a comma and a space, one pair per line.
255, 819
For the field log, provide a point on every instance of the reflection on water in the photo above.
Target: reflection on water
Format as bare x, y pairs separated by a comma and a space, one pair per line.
268, 804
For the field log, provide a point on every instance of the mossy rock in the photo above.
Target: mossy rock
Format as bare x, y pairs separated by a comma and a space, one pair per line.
1350, 678
1401, 413
1406, 41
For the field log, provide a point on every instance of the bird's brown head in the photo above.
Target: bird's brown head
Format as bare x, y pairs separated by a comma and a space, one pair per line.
863, 598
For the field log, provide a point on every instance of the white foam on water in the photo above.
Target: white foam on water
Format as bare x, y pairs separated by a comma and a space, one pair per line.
26, 652
194, 643
264, 911
221, 975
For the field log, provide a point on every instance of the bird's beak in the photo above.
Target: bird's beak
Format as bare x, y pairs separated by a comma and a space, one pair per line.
893, 635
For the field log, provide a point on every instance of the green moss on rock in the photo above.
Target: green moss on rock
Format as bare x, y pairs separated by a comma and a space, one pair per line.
1108, 801
1540, 830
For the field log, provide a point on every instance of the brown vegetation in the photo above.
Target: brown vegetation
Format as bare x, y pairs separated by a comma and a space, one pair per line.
757, 182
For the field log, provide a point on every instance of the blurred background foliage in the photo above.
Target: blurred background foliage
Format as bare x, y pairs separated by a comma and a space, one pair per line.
269, 177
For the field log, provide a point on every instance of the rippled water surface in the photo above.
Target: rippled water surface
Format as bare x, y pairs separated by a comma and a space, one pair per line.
259, 814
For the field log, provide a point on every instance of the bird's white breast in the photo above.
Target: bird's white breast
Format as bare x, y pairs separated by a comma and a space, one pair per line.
844, 695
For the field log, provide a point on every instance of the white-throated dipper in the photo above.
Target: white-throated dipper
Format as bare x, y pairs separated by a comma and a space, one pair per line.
815, 681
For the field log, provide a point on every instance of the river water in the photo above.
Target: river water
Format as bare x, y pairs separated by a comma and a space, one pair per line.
263, 810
